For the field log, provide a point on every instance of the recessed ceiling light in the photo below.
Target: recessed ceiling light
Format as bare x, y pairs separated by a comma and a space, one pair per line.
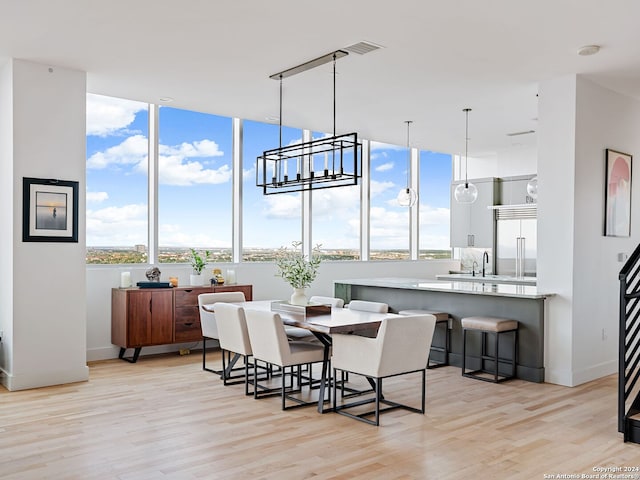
588, 50
166, 99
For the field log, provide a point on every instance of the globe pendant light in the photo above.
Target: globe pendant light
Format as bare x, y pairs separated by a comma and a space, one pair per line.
407, 197
466, 192
532, 187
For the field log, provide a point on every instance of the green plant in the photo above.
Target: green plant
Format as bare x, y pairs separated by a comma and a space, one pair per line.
197, 261
295, 268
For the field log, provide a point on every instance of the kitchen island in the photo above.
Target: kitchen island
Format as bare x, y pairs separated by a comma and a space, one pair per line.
523, 303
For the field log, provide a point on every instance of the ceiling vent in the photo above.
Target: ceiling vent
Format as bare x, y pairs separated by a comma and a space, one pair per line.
362, 47
516, 134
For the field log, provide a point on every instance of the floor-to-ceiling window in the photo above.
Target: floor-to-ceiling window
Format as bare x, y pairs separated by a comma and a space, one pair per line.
116, 180
389, 222
335, 219
269, 221
194, 185
435, 180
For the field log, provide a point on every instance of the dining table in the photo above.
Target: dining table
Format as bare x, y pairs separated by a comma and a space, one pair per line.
322, 323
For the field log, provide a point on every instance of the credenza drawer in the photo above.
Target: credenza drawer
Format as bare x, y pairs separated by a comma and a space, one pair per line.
188, 332
189, 297
187, 314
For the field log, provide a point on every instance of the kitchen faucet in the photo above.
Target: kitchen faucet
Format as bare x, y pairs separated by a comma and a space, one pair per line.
473, 268
485, 257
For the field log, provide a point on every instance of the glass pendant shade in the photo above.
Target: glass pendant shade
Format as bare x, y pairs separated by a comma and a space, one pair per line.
532, 188
407, 197
465, 193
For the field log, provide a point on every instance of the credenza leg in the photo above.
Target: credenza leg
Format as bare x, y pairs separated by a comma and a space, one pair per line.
134, 359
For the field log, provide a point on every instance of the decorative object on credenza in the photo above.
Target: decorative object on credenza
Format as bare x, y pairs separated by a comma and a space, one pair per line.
125, 279
154, 284
198, 262
298, 270
217, 276
617, 198
50, 210
153, 274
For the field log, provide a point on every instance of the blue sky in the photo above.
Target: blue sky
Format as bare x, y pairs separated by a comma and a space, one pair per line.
195, 186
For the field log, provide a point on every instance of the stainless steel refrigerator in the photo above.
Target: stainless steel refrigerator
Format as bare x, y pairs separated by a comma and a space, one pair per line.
516, 247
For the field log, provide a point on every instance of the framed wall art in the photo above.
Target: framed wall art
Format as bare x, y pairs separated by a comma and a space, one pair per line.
617, 198
50, 210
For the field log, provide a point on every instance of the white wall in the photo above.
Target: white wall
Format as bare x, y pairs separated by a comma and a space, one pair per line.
605, 119
6, 215
46, 131
102, 278
556, 147
579, 120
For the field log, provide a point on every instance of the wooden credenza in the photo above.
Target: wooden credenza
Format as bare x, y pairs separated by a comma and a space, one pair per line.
142, 317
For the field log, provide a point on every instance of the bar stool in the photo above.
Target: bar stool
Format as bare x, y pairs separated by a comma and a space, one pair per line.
497, 327
442, 320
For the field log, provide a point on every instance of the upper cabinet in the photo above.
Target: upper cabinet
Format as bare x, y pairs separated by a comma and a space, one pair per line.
513, 190
472, 225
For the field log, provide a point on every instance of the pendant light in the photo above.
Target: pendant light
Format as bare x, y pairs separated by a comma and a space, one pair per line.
407, 197
466, 192
532, 187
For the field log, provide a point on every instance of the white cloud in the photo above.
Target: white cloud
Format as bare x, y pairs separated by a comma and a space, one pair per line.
117, 226
174, 171
97, 196
283, 206
201, 148
107, 115
384, 167
377, 188
434, 216
132, 151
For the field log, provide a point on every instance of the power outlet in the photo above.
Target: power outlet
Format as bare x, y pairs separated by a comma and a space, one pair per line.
185, 351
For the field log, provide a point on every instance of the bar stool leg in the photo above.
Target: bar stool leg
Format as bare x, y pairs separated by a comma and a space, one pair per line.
497, 361
464, 349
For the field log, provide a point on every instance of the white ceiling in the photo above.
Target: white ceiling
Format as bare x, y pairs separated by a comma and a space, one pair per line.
438, 57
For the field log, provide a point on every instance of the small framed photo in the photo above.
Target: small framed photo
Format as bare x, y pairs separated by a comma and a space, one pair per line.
50, 210
617, 198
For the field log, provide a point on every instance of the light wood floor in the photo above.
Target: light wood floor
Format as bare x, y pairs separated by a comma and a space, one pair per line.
165, 418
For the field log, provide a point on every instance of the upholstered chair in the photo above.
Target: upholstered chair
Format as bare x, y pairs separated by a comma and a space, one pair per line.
270, 344
208, 319
367, 306
401, 347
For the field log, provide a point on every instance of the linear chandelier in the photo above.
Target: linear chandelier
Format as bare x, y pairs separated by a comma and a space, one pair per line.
324, 163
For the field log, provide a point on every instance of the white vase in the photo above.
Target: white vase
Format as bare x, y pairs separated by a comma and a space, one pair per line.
196, 280
298, 297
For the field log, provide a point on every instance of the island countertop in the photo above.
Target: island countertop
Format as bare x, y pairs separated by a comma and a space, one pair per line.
478, 288
523, 303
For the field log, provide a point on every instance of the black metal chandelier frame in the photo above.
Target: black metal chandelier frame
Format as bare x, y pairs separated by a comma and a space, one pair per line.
327, 162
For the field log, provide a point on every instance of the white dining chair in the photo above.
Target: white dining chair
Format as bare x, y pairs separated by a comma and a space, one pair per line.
234, 338
367, 306
401, 347
270, 344
208, 319
332, 301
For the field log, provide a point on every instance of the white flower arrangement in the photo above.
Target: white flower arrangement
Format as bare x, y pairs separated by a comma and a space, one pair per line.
295, 268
